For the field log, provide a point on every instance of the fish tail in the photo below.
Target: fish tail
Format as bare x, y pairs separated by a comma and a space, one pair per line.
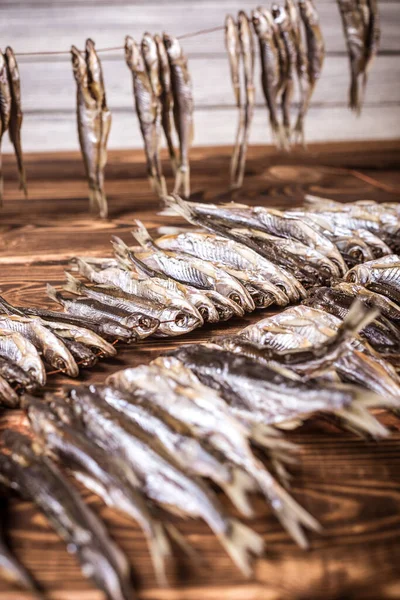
53, 294
179, 206
298, 132
241, 542
83, 268
102, 203
354, 93
237, 490
272, 440
178, 181
160, 549
142, 236
292, 516
357, 419
358, 317
73, 284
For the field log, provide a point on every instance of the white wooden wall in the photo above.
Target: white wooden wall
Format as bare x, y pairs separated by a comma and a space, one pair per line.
48, 87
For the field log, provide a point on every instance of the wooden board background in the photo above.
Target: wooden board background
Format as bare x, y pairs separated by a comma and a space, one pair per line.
49, 89
350, 485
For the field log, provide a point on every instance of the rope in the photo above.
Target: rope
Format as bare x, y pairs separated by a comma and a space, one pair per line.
184, 36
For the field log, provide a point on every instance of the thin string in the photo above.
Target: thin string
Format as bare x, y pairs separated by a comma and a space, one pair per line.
184, 36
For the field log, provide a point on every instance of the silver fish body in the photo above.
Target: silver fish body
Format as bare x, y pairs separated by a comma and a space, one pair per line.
16, 348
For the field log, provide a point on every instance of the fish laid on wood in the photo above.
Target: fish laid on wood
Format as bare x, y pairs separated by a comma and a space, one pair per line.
55, 424
16, 116
5, 110
11, 570
181, 83
33, 475
159, 474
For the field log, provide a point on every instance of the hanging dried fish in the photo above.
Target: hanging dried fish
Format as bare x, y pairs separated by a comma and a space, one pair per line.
16, 115
182, 110
355, 33
166, 98
282, 20
232, 45
5, 110
270, 68
247, 52
93, 133
146, 107
150, 57
315, 51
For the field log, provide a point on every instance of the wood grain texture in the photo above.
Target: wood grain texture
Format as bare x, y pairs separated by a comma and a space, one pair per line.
48, 88
351, 485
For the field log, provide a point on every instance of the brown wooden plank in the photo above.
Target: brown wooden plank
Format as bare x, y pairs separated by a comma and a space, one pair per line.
351, 485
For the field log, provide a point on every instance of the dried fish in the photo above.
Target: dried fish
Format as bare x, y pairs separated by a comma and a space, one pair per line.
138, 324
8, 397
248, 60
271, 221
387, 307
152, 316
11, 569
210, 419
16, 115
83, 355
270, 69
37, 478
232, 45
107, 327
151, 61
355, 34
13, 374
181, 84
381, 275
166, 99
54, 351
55, 424
159, 474
315, 50
5, 110
146, 108
89, 126
96, 87
17, 349
301, 69
282, 20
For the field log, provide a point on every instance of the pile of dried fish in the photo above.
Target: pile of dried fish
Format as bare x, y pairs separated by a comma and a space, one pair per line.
11, 113
94, 121
361, 26
284, 58
162, 89
150, 439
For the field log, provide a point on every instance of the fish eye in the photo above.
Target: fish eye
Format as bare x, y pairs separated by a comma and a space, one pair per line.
235, 298
181, 320
145, 322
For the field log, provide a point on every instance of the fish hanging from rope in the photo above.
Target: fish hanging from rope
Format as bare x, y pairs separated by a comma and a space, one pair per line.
94, 121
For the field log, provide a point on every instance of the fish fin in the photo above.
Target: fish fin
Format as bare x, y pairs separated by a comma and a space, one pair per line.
237, 490
289, 512
160, 549
73, 284
121, 249
180, 206
241, 542
53, 294
357, 419
142, 236
358, 317
275, 442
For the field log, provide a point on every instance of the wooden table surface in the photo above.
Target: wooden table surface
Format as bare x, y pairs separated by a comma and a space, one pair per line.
352, 486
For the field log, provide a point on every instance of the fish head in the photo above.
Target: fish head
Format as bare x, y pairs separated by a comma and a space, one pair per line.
60, 358
133, 56
360, 275
172, 47
79, 67
177, 321
112, 329
95, 73
261, 24
143, 325
30, 360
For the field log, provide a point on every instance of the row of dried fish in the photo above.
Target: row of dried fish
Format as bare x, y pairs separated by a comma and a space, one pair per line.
11, 113
148, 440
361, 26
283, 57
